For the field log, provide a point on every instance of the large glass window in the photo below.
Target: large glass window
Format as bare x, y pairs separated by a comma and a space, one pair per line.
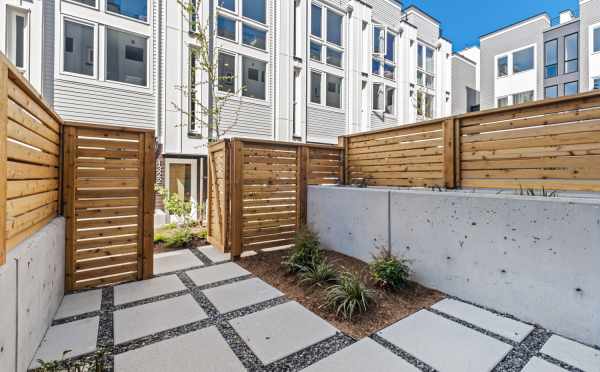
378, 97
255, 9
551, 92
376, 67
572, 88
315, 21
571, 53
597, 83
334, 91
389, 71
180, 180
429, 106
551, 59
502, 102
334, 28
126, 57
254, 78
596, 40
425, 67
334, 57
378, 33
226, 73
137, 9
502, 66
523, 60
522, 97
315, 87
254, 37
390, 43
429, 60
78, 49
390, 94
17, 37
315, 51
227, 4
226, 27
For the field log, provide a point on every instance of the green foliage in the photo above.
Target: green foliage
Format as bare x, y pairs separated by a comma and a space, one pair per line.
318, 275
98, 364
389, 271
170, 226
177, 207
349, 296
306, 252
203, 234
160, 238
533, 192
181, 238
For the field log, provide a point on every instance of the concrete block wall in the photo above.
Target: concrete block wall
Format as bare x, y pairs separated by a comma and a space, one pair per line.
31, 289
535, 258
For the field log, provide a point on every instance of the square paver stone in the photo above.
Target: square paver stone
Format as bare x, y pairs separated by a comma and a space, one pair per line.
79, 336
240, 294
203, 350
79, 303
573, 353
505, 327
282, 330
148, 319
540, 365
214, 254
445, 345
136, 291
175, 261
364, 355
217, 273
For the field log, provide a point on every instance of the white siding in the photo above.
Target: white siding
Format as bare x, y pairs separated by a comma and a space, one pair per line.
241, 118
379, 121
325, 125
49, 9
386, 12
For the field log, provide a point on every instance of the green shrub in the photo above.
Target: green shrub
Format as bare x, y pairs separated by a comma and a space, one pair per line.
170, 226
389, 271
180, 238
98, 364
306, 252
201, 234
160, 238
318, 275
349, 296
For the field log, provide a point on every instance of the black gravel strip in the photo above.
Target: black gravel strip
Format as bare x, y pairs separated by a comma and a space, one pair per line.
402, 354
177, 272
225, 282
201, 256
105, 340
474, 327
520, 355
151, 300
239, 347
559, 363
311, 354
73, 318
254, 308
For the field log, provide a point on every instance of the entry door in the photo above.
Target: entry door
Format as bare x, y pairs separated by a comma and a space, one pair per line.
182, 179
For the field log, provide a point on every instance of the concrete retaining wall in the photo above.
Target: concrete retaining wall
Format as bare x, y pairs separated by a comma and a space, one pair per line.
535, 258
31, 289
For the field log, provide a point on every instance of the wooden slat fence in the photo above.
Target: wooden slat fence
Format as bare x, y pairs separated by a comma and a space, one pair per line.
218, 195
29, 160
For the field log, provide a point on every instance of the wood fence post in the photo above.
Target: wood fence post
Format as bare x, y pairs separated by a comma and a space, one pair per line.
68, 198
302, 158
344, 172
449, 139
3, 158
457, 153
237, 161
149, 167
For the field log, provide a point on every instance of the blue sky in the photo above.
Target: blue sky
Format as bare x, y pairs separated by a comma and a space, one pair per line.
463, 21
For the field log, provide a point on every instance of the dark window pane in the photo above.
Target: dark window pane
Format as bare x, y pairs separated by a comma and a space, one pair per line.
389, 100
334, 91
79, 48
118, 66
226, 73
137, 9
572, 47
502, 66
597, 40
420, 57
523, 60
254, 37
522, 97
376, 68
503, 102
377, 38
388, 71
227, 4
255, 9
315, 21
87, 2
551, 92
315, 51
334, 27
226, 27
551, 71
20, 41
597, 83
571, 66
377, 97
254, 78
315, 87
551, 51
193, 87
571, 88
389, 52
334, 57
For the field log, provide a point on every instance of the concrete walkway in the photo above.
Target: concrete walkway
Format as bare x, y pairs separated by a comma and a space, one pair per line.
203, 313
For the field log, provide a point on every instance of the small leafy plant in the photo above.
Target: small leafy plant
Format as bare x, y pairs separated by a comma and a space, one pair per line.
175, 206
349, 296
306, 252
98, 364
180, 238
389, 271
319, 275
160, 238
533, 192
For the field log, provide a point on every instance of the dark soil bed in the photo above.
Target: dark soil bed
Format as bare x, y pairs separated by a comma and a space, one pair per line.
196, 242
389, 308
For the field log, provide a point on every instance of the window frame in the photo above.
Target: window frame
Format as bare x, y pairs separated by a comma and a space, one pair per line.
105, 59
193, 163
519, 93
566, 61
498, 58
241, 21
423, 69
148, 12
507, 98
323, 39
324, 74
235, 72
385, 101
546, 64
593, 36
595, 80
512, 65
240, 5
14, 12
550, 87
569, 83
266, 82
381, 57
95, 42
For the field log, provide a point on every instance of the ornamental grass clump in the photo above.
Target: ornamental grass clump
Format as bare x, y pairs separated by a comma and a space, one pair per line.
306, 252
349, 296
318, 275
388, 271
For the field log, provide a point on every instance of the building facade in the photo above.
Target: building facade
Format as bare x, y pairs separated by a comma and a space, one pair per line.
465, 81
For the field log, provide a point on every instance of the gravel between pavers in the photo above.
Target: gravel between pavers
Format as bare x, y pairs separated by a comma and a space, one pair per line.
402, 354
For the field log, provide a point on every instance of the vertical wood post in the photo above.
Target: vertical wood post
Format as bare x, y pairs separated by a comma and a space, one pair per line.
302, 159
457, 153
226, 213
449, 153
69, 140
140, 223
149, 167
344, 172
237, 160
3, 159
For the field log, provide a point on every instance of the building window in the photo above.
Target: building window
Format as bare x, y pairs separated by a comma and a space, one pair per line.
425, 105
136, 9
503, 66
376, 67
389, 47
571, 53
596, 83
315, 51
254, 78
551, 92
596, 40
523, 97
332, 41
254, 37
425, 67
78, 48
126, 57
227, 4
180, 180
551, 59
226, 27
378, 37
502, 102
193, 116
390, 101
17, 37
572, 88
255, 10
226, 71
389, 71
334, 57
334, 91
429, 104
316, 21
334, 28
378, 97
91, 3
315, 87
523, 60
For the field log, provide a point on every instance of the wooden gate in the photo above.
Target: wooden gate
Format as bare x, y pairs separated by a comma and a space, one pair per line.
218, 195
108, 180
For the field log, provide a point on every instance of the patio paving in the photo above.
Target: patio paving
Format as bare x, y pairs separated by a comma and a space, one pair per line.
215, 316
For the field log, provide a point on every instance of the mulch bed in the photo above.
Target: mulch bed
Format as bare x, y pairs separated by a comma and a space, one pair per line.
196, 242
389, 308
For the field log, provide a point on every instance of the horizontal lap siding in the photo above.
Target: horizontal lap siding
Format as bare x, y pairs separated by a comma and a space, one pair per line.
324, 126
241, 118
380, 121
384, 11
